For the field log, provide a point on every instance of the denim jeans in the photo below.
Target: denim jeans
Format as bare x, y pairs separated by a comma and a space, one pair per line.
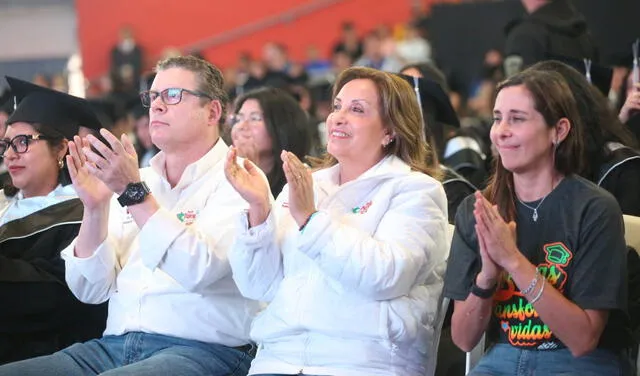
504, 359
136, 354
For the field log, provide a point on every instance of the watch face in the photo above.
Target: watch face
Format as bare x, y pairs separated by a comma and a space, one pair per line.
136, 193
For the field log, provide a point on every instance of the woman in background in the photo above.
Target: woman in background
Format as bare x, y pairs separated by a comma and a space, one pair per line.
266, 122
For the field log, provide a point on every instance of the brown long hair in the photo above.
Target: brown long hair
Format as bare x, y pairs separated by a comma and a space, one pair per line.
552, 98
400, 113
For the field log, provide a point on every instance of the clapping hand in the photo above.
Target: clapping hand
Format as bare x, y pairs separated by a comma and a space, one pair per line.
300, 182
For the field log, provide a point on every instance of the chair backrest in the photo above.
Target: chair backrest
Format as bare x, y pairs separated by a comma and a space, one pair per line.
632, 238
632, 231
473, 356
443, 306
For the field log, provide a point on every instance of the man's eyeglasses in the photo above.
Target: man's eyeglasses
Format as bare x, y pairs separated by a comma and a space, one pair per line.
20, 143
169, 96
253, 118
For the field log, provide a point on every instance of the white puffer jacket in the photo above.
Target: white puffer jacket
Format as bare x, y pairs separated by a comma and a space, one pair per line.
356, 292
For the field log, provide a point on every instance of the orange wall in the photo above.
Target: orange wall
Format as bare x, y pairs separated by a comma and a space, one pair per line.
162, 23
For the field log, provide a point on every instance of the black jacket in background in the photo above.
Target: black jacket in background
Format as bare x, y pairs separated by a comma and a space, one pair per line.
554, 30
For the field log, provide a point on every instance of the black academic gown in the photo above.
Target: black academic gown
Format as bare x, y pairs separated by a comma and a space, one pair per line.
457, 188
39, 315
620, 175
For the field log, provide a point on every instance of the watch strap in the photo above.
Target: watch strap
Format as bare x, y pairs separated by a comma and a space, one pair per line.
125, 200
483, 293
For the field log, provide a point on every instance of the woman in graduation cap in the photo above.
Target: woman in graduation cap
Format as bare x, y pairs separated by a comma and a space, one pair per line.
6, 109
464, 150
40, 214
436, 112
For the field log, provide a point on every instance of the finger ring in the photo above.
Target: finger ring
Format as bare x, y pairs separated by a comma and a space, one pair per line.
299, 177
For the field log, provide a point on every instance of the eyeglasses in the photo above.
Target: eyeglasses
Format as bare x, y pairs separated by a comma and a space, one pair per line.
254, 117
20, 143
169, 96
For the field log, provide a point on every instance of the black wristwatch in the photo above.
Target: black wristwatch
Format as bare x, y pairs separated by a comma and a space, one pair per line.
483, 293
134, 194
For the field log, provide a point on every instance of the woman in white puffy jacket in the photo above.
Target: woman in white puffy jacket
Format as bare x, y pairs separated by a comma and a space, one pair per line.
350, 257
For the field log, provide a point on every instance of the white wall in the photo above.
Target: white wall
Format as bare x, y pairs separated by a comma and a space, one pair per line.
37, 32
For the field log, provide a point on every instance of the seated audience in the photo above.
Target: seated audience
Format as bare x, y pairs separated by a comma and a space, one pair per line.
154, 242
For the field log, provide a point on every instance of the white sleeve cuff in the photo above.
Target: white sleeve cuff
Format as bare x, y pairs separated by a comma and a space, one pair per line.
95, 268
256, 235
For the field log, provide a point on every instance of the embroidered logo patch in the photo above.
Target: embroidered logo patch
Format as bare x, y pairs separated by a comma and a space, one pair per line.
361, 209
188, 217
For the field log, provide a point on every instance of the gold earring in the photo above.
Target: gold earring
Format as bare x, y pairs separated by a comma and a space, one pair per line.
60, 164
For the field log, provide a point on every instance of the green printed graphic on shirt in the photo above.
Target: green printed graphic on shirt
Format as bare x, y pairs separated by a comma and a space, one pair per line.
519, 322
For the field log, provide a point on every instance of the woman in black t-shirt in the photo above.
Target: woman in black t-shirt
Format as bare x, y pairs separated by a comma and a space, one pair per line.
542, 253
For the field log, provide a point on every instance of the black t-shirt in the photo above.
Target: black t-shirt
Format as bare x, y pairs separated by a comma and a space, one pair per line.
577, 243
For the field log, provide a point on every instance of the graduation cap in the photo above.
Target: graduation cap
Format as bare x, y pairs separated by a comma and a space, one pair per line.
61, 111
108, 110
597, 75
147, 81
135, 108
7, 102
431, 95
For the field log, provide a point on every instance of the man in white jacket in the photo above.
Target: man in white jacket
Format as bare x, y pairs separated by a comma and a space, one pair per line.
157, 249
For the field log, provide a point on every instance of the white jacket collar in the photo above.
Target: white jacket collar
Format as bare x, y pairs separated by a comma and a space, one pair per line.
387, 167
326, 180
195, 170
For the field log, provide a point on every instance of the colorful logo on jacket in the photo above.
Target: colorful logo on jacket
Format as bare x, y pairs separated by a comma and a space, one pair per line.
188, 217
361, 209
519, 321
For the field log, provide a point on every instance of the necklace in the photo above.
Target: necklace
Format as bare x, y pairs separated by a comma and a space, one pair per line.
535, 210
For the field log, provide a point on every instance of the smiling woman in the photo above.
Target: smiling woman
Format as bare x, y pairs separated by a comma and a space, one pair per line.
349, 256
539, 260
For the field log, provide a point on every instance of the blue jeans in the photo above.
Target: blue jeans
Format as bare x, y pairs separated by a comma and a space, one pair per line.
136, 354
504, 359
